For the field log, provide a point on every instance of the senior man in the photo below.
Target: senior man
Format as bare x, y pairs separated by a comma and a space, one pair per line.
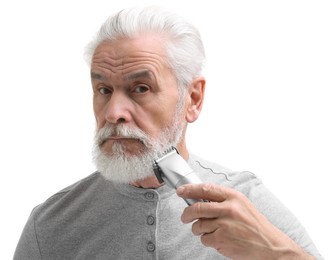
147, 83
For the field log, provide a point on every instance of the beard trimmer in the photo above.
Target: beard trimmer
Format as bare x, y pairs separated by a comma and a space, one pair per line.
172, 169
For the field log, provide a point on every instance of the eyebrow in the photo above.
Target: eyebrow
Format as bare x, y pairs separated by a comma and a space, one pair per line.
138, 74
98, 76
131, 76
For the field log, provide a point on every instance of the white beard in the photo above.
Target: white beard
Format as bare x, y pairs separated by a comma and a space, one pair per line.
122, 168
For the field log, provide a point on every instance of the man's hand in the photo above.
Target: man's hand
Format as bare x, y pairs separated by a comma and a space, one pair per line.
232, 225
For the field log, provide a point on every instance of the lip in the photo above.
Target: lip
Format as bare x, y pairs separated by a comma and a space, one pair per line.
120, 138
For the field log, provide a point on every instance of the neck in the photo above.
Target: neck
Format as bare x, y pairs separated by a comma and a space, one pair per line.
148, 183
152, 182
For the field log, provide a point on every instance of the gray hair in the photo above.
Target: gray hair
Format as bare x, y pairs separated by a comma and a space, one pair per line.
184, 47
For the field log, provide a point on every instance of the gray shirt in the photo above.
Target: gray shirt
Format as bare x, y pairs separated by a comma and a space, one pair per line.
97, 219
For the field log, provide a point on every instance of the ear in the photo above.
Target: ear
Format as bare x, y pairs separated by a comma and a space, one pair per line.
196, 96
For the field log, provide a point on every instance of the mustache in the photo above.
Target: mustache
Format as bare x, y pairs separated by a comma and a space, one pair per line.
108, 131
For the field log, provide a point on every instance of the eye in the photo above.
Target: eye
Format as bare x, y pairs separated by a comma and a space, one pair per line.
141, 89
104, 91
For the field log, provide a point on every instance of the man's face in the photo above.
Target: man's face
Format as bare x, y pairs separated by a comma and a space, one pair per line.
135, 94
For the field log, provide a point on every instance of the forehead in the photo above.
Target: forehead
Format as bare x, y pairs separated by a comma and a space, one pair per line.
126, 55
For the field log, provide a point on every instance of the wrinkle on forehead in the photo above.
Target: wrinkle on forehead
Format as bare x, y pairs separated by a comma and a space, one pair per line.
123, 57
121, 51
128, 67
108, 58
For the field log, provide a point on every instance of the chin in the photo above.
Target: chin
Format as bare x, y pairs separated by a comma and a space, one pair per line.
124, 166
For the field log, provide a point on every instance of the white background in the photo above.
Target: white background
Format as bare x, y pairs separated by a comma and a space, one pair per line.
269, 104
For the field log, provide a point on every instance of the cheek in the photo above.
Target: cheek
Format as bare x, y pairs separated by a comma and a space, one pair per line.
158, 118
100, 119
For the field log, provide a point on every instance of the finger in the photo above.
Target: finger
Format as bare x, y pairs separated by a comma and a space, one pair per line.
208, 210
206, 191
211, 240
204, 226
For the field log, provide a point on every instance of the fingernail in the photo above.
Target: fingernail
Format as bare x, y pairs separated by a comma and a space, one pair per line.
180, 190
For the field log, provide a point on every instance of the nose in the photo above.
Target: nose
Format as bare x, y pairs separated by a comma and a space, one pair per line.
118, 109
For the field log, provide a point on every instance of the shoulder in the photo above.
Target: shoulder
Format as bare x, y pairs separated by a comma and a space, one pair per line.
79, 185
46, 218
214, 172
73, 193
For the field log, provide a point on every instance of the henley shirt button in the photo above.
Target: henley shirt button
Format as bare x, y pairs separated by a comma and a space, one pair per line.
149, 195
150, 220
150, 247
